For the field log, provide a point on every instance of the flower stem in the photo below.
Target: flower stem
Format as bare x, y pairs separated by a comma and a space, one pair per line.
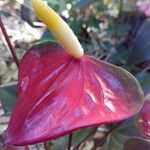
107, 134
70, 141
9, 43
45, 146
37, 148
86, 138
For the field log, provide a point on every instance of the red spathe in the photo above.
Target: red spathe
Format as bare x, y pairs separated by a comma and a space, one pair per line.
58, 94
143, 121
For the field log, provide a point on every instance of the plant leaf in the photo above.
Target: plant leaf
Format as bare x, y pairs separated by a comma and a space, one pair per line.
136, 143
140, 51
8, 96
47, 35
144, 79
61, 143
58, 94
82, 4
118, 137
80, 135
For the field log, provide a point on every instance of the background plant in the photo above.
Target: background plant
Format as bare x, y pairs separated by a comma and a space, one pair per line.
111, 30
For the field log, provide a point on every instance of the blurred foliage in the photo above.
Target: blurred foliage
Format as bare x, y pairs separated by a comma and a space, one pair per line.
144, 79
119, 136
136, 143
140, 51
112, 30
8, 96
61, 143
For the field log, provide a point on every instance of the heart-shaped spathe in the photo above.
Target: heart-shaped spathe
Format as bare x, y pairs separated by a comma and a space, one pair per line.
58, 94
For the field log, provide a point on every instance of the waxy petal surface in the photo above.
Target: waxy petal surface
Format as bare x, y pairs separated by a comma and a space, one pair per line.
58, 94
143, 121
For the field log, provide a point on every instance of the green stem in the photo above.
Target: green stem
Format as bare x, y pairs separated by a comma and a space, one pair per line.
45, 146
107, 134
86, 138
37, 148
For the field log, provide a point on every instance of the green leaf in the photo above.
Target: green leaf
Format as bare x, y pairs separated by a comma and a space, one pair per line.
136, 143
53, 2
144, 79
76, 24
82, 4
81, 134
119, 55
140, 51
61, 143
47, 35
113, 143
93, 22
56, 4
118, 137
8, 96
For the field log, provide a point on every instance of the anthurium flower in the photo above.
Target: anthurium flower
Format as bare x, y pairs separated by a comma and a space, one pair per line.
143, 119
61, 90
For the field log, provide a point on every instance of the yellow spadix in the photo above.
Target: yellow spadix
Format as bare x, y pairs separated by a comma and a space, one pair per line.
59, 28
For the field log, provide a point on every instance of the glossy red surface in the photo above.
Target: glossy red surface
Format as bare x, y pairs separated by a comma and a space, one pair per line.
143, 120
58, 94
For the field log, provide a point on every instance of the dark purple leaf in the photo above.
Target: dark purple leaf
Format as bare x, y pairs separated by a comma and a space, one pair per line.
136, 143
